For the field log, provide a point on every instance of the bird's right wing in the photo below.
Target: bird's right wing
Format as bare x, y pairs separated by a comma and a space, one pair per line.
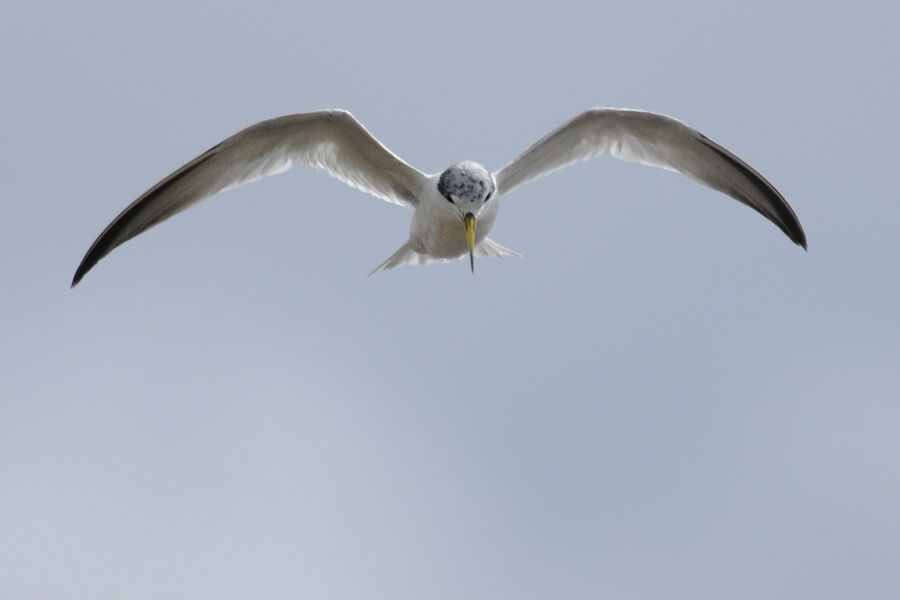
332, 140
656, 140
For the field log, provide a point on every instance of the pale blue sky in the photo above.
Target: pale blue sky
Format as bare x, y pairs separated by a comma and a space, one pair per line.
663, 398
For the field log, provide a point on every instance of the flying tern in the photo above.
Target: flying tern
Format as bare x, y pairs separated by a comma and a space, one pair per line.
453, 210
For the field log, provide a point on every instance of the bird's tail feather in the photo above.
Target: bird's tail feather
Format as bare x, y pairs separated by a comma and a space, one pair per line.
489, 248
405, 255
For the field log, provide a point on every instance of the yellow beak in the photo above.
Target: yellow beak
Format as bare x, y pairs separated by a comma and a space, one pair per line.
470, 222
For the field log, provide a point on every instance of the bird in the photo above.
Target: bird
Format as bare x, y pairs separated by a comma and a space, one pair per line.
454, 210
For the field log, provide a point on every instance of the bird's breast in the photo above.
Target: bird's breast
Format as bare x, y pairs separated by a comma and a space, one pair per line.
440, 233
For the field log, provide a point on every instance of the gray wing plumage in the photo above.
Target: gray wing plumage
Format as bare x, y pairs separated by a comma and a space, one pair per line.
656, 140
332, 140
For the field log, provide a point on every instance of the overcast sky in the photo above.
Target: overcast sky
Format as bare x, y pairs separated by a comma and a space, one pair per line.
664, 398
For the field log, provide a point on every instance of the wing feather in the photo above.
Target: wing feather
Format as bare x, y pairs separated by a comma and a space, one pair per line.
656, 140
332, 140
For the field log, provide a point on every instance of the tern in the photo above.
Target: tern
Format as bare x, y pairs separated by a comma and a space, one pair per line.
454, 209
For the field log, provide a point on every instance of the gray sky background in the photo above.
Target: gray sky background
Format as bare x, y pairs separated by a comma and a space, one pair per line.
663, 398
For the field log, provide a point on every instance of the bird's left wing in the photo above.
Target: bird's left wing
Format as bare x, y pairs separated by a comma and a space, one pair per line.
332, 140
656, 140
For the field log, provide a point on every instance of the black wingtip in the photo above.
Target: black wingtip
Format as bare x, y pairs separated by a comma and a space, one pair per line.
76, 278
781, 213
793, 229
86, 264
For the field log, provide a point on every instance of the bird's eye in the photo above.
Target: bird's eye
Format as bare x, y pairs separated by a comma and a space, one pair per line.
488, 197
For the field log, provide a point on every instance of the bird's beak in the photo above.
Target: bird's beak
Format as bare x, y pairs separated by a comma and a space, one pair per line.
470, 221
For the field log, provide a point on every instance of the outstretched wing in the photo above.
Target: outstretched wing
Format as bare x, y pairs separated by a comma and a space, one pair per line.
656, 140
332, 140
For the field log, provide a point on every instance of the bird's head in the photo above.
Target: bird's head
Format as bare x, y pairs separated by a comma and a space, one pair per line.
468, 186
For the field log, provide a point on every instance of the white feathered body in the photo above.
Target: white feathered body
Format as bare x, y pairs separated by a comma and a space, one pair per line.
436, 229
